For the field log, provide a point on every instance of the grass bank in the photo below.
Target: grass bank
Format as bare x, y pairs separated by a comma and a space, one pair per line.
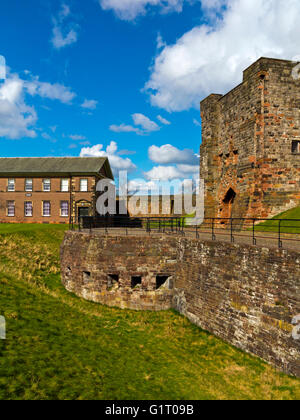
290, 222
61, 347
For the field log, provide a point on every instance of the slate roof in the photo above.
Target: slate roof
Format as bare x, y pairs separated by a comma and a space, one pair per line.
55, 165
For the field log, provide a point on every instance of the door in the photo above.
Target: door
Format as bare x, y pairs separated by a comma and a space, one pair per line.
226, 209
83, 212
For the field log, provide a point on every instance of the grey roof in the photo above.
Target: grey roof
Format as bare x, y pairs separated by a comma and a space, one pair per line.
55, 165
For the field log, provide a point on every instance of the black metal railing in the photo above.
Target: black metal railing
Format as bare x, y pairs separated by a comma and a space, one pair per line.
251, 229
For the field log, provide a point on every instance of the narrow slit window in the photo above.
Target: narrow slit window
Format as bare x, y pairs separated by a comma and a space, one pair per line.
296, 147
161, 281
136, 281
86, 275
112, 281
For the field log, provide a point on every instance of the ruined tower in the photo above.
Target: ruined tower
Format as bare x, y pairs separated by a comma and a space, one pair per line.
250, 152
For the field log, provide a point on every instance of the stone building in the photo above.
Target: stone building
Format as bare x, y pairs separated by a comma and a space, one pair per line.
250, 152
49, 190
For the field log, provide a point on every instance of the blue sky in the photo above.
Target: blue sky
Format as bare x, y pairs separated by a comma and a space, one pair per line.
128, 74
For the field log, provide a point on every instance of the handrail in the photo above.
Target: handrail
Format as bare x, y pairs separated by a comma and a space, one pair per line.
214, 226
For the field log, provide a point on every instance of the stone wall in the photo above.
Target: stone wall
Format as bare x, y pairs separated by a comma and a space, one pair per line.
247, 138
248, 296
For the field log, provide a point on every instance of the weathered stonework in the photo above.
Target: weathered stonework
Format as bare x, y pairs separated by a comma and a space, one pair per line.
249, 162
246, 295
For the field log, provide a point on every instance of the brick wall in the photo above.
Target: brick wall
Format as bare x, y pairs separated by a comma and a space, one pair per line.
37, 196
247, 143
245, 295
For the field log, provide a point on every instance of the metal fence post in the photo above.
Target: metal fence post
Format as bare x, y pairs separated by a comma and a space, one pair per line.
253, 237
279, 235
213, 230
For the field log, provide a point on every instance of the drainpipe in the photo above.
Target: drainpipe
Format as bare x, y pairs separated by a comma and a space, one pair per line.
71, 201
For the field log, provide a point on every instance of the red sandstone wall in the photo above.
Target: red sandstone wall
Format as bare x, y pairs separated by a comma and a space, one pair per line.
246, 143
245, 295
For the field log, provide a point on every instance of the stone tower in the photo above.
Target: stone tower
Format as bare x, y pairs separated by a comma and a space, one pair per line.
250, 152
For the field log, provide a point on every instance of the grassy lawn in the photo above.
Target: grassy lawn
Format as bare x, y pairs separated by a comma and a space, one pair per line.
61, 347
290, 224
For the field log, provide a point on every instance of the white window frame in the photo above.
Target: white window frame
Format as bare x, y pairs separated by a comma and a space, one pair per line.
30, 189
62, 210
11, 204
47, 181
11, 185
86, 186
62, 187
43, 204
26, 213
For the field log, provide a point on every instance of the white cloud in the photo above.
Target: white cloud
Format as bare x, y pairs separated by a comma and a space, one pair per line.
142, 186
55, 91
63, 34
2, 67
169, 173
89, 104
188, 169
163, 120
170, 154
46, 136
53, 128
123, 128
17, 119
196, 122
117, 163
160, 43
76, 137
147, 126
145, 123
210, 58
163, 173
130, 9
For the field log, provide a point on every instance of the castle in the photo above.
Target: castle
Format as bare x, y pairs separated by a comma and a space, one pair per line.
246, 295
250, 153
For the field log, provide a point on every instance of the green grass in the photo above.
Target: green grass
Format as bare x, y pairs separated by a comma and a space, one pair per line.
61, 347
288, 225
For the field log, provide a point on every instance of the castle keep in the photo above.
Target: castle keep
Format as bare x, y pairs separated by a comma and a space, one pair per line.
250, 152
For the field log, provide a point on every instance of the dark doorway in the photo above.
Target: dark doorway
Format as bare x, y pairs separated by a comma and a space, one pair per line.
228, 201
83, 212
